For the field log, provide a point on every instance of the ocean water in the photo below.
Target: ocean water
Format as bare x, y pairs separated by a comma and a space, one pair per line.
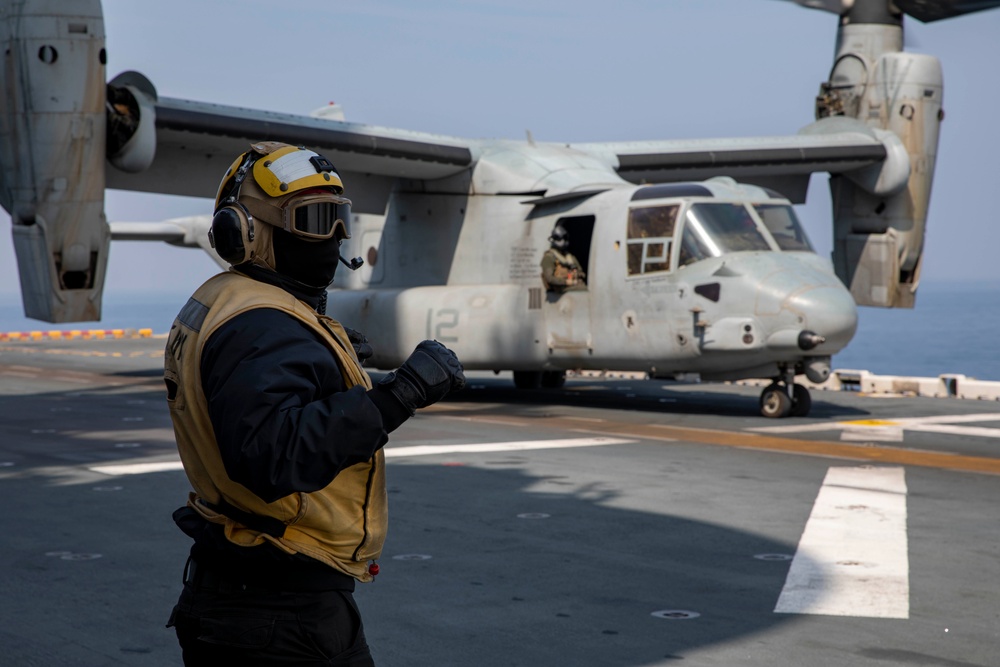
120, 311
953, 329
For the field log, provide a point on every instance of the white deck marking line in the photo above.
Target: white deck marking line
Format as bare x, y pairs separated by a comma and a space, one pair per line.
852, 559
799, 428
137, 468
888, 427
428, 450
866, 433
959, 430
392, 452
951, 419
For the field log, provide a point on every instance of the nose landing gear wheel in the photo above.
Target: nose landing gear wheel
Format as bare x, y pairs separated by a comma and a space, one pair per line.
801, 401
775, 403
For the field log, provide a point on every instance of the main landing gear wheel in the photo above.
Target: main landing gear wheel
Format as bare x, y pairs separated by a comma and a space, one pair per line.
527, 379
553, 379
539, 379
775, 402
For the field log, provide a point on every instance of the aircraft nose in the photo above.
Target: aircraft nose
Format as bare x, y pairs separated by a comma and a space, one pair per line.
828, 311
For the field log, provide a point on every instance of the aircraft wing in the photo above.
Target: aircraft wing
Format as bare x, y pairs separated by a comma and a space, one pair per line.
196, 142
782, 163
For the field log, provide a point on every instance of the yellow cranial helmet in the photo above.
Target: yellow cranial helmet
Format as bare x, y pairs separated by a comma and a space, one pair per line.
289, 187
279, 169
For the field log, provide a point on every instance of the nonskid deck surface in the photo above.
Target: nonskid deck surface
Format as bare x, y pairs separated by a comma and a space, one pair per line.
613, 522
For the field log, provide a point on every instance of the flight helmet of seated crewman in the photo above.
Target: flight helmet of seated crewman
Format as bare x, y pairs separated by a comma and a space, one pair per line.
559, 240
282, 208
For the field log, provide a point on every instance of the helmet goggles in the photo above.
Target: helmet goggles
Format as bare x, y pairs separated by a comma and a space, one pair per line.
317, 215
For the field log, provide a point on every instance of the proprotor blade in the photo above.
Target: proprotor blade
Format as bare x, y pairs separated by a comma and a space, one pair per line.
922, 10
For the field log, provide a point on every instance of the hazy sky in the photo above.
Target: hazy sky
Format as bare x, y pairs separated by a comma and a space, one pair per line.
565, 70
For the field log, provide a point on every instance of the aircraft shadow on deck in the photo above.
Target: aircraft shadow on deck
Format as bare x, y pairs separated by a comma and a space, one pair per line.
524, 569
528, 569
67, 429
610, 395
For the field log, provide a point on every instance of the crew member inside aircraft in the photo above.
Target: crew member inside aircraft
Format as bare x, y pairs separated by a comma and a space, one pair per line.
280, 429
561, 270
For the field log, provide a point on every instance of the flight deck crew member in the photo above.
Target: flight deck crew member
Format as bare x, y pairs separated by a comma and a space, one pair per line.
561, 270
279, 428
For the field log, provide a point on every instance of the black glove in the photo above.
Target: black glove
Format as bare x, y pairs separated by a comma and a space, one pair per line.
425, 377
360, 344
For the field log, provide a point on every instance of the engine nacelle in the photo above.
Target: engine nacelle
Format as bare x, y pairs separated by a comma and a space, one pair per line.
879, 235
52, 154
131, 122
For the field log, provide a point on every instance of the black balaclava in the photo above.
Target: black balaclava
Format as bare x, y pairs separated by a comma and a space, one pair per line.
312, 263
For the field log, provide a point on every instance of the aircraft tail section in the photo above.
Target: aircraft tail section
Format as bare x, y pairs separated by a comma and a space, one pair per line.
52, 153
879, 227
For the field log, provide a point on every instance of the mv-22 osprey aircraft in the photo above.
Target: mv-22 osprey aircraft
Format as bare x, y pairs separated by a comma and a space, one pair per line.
694, 260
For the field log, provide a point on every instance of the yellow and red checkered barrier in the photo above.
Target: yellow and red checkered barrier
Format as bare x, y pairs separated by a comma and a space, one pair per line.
75, 333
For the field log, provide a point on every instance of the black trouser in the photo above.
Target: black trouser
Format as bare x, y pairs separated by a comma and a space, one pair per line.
222, 621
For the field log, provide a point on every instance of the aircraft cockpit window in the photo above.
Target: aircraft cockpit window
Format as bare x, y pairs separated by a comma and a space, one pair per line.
784, 226
712, 230
650, 238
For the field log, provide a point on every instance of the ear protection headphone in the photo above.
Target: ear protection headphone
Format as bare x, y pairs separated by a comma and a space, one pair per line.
232, 231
